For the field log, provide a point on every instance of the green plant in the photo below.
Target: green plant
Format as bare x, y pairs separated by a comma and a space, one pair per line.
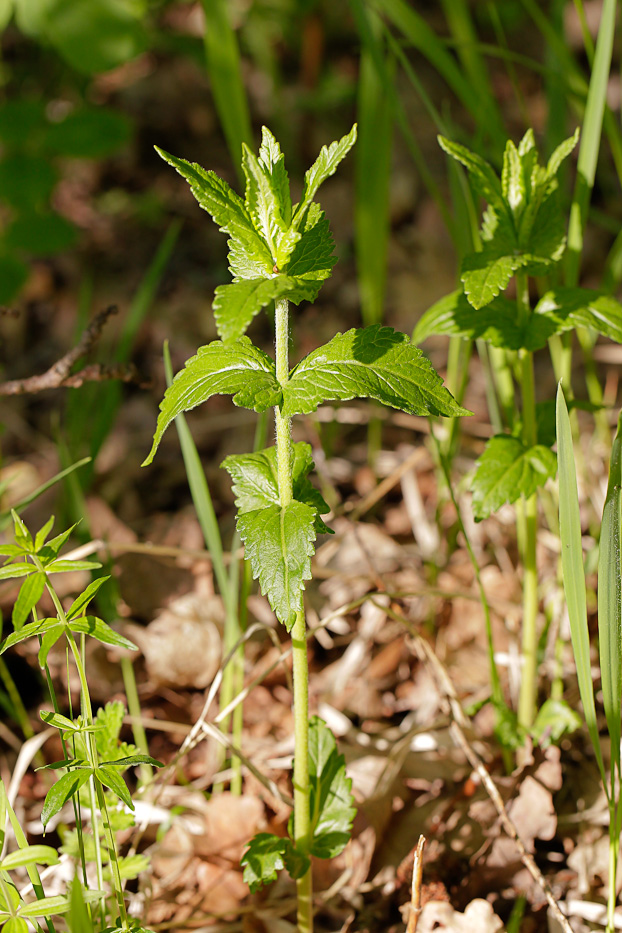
610, 639
282, 252
522, 235
94, 760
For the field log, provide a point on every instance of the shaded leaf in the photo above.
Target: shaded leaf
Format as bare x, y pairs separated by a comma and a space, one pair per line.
264, 857
113, 780
66, 787
236, 304
508, 469
332, 804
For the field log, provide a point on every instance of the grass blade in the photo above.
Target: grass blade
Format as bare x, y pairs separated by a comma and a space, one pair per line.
573, 571
609, 599
223, 65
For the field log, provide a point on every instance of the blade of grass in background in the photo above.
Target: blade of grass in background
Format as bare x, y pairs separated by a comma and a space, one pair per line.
227, 581
224, 68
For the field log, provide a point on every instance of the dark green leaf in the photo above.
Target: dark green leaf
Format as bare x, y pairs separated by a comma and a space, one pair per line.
79, 604
506, 470
332, 804
131, 760
452, 314
48, 641
374, 362
239, 369
66, 787
279, 543
41, 233
264, 857
312, 256
26, 181
94, 35
13, 275
566, 308
89, 133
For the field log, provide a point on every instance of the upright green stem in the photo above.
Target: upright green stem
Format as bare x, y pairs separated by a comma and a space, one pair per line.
528, 687
302, 816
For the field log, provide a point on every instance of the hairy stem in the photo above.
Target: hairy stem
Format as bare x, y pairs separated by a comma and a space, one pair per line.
302, 817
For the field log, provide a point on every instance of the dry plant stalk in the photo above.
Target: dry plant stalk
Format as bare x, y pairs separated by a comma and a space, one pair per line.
415, 896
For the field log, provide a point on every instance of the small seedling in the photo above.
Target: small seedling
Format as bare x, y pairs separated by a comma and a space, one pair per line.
282, 252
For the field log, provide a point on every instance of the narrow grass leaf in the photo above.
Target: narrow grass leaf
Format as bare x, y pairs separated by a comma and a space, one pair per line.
573, 571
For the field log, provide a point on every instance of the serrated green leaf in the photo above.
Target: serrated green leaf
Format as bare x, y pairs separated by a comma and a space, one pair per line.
332, 804
113, 780
110, 719
486, 273
66, 787
324, 166
263, 858
228, 211
453, 314
483, 176
31, 855
236, 304
239, 369
81, 602
512, 180
131, 866
279, 543
555, 719
100, 631
255, 481
567, 308
29, 595
543, 237
312, 255
562, 152
272, 158
261, 201
373, 362
508, 469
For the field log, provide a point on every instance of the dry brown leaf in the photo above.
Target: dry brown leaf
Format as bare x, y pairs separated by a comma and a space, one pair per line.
439, 916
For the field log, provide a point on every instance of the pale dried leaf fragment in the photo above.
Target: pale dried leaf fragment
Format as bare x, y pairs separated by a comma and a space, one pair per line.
439, 916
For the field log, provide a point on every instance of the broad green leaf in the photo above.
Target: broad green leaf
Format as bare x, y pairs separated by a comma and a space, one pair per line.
66, 787
81, 602
12, 571
312, 256
255, 481
610, 598
508, 469
567, 308
29, 595
452, 314
31, 855
263, 858
374, 362
228, 211
239, 369
279, 543
236, 304
13, 897
113, 780
332, 804
482, 174
324, 166
100, 631
486, 273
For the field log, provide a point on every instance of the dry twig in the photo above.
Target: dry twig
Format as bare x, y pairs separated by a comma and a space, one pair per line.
60, 375
415, 897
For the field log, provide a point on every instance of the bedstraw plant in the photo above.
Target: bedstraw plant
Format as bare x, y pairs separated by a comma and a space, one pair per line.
282, 252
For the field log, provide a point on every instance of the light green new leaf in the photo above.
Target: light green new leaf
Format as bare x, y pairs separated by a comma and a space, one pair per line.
15, 925
31, 855
512, 180
487, 272
59, 793
324, 166
373, 362
279, 543
508, 469
100, 631
239, 369
332, 804
46, 907
12, 571
70, 566
261, 201
29, 595
567, 308
273, 160
255, 481
43, 533
236, 304
610, 598
264, 857
483, 176
562, 152
227, 209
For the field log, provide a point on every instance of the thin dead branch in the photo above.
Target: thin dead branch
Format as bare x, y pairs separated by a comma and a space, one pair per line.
415, 897
59, 375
